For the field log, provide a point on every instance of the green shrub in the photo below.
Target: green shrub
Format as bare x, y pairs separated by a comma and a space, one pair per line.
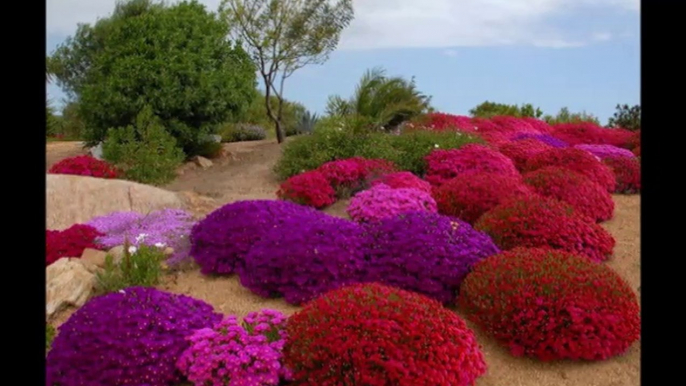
145, 152
208, 149
49, 336
238, 132
413, 146
141, 268
627, 117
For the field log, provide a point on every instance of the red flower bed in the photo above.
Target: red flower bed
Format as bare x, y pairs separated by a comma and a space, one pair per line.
375, 335
539, 125
587, 197
536, 221
513, 125
84, 165
467, 197
70, 242
637, 151
403, 180
552, 305
442, 121
444, 165
580, 133
576, 160
349, 175
309, 188
627, 171
520, 151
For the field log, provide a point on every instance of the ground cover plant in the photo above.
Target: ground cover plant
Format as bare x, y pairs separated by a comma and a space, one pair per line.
139, 266
444, 165
309, 188
85, 165
403, 180
70, 242
606, 151
381, 201
576, 160
520, 151
627, 173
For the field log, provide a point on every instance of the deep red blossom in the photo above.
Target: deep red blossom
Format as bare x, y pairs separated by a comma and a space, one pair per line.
637, 151
403, 180
513, 125
70, 242
349, 175
375, 335
587, 197
579, 133
309, 188
538, 124
576, 160
520, 151
85, 165
627, 172
552, 305
442, 121
444, 165
536, 221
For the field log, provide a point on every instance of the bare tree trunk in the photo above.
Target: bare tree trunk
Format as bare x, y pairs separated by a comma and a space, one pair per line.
270, 113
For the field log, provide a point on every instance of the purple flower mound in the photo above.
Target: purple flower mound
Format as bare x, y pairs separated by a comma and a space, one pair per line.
426, 253
220, 241
545, 138
304, 257
382, 201
247, 354
133, 337
606, 151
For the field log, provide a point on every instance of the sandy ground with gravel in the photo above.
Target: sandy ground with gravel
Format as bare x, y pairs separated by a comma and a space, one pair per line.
246, 174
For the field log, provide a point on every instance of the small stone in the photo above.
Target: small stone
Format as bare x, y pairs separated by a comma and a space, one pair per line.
168, 251
67, 283
202, 162
564, 375
94, 256
117, 253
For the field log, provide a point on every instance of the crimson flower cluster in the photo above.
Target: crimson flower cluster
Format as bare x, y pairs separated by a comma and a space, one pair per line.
514, 125
605, 151
377, 336
579, 133
470, 196
70, 242
309, 188
350, 174
401, 180
442, 121
637, 151
132, 337
424, 252
552, 305
587, 197
520, 151
545, 222
444, 165
576, 160
84, 165
627, 172
382, 201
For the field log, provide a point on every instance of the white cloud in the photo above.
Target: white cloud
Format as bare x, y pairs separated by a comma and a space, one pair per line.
601, 36
450, 52
408, 23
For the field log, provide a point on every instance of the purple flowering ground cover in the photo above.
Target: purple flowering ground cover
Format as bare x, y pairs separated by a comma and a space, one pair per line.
606, 151
545, 138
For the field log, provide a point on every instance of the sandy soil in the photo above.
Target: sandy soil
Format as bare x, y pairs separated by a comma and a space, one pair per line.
57, 151
247, 175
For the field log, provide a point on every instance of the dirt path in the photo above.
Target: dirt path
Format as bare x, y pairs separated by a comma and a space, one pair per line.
57, 151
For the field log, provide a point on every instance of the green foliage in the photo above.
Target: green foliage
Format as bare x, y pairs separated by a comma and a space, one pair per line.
209, 149
307, 123
141, 268
564, 116
384, 102
52, 123
238, 132
174, 58
145, 152
49, 336
72, 126
626, 117
256, 113
417, 144
491, 109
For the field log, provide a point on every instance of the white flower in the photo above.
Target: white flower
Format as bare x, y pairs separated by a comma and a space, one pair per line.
160, 245
141, 236
436, 146
132, 249
121, 291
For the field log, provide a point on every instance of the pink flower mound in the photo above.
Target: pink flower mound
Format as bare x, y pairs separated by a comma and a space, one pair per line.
580, 133
606, 151
539, 125
382, 201
403, 180
513, 125
442, 121
520, 151
348, 175
576, 160
444, 165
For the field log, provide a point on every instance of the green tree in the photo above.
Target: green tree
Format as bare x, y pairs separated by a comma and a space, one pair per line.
626, 117
564, 116
489, 109
175, 59
283, 36
381, 101
257, 114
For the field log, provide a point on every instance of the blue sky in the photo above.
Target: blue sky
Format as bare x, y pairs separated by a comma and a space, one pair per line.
583, 54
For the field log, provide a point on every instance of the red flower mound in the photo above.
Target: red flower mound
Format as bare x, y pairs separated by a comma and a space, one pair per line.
520, 151
637, 151
588, 133
403, 180
352, 173
627, 170
536, 221
70, 242
552, 305
444, 165
442, 121
577, 160
587, 197
467, 197
539, 125
309, 188
513, 125
84, 165
375, 335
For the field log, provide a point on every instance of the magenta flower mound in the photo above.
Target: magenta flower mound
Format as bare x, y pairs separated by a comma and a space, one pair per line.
242, 354
162, 228
382, 201
426, 253
401, 180
444, 165
220, 241
304, 257
606, 151
133, 337
545, 138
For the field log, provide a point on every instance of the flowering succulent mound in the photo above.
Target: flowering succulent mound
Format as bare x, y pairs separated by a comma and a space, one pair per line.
576, 160
424, 252
552, 305
382, 201
128, 338
538, 124
402, 180
84, 165
310, 188
605, 151
161, 229
70, 242
545, 138
537, 221
442, 121
514, 125
248, 353
627, 173
579, 133
587, 197
220, 241
304, 257
469, 196
520, 151
444, 165
351, 174
376, 335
